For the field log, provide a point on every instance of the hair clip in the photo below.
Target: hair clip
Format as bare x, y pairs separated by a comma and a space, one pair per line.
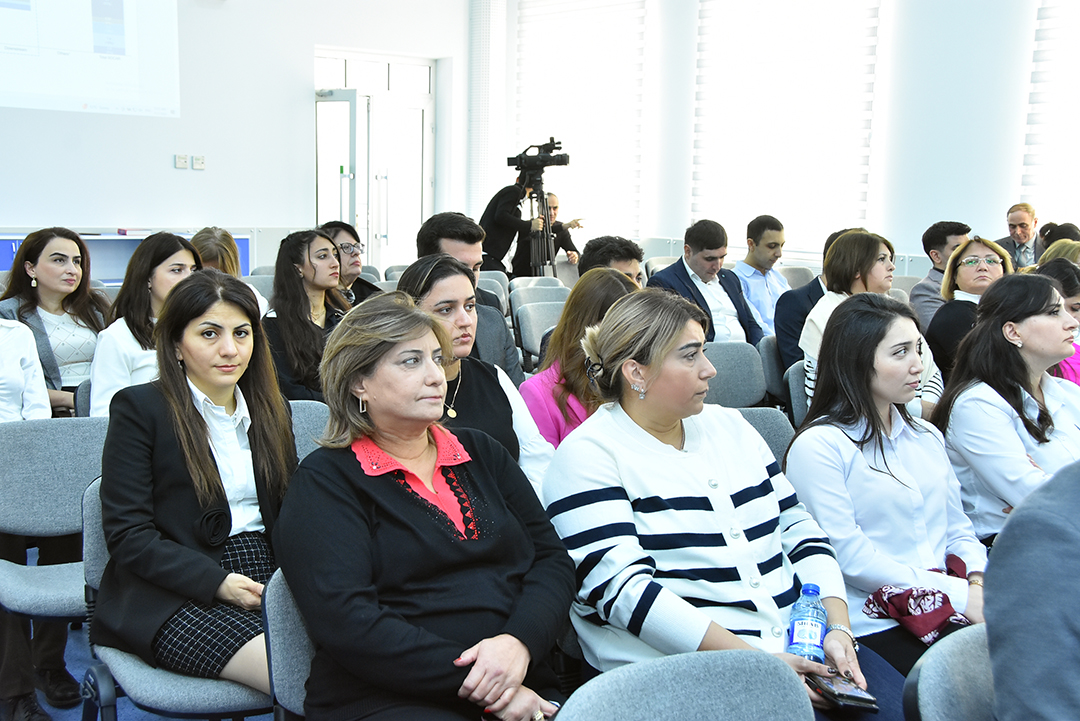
593, 370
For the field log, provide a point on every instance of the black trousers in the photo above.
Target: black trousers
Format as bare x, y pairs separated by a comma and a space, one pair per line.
20, 653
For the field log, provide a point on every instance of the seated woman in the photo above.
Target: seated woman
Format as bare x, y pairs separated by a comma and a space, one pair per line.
217, 248
880, 484
49, 290
860, 262
125, 354
193, 472
973, 266
686, 535
352, 287
306, 307
1008, 424
1062, 241
479, 395
435, 585
559, 400
1067, 274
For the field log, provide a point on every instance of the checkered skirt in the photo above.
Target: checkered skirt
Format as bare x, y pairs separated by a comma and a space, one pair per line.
199, 639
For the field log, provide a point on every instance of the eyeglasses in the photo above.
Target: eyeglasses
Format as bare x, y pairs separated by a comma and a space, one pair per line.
349, 248
973, 261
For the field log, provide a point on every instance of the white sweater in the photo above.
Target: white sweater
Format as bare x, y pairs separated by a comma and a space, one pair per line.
667, 541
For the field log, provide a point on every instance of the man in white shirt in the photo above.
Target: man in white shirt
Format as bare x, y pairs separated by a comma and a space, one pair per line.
939, 241
1023, 242
700, 277
761, 284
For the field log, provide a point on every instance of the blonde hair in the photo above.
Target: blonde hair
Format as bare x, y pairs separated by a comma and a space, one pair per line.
642, 326
1025, 207
355, 349
217, 248
949, 285
1064, 248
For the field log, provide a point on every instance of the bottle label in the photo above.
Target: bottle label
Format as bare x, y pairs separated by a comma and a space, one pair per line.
806, 631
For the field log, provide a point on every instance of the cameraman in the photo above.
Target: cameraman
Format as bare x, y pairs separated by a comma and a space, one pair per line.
522, 264
502, 221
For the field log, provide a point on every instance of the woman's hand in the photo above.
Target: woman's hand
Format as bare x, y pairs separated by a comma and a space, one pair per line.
62, 400
523, 703
498, 665
974, 610
239, 590
803, 666
840, 654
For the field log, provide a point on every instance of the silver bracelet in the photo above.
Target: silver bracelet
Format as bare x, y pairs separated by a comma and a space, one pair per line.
845, 629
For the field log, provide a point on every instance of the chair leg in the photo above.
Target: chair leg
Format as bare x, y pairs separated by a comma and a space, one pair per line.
99, 694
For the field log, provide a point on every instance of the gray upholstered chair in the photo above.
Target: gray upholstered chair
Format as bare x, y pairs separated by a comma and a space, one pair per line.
308, 423
45, 465
953, 680
493, 286
289, 649
388, 286
900, 295
905, 282
372, 270
658, 263
740, 380
262, 283
773, 367
795, 376
537, 282
82, 399
150, 689
737, 685
773, 426
263, 270
370, 277
394, 272
534, 319
797, 275
498, 276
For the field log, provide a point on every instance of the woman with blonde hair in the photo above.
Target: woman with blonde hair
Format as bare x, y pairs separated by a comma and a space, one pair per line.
1064, 248
559, 397
218, 249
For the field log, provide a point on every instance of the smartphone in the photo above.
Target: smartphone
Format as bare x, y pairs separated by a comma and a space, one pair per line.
842, 692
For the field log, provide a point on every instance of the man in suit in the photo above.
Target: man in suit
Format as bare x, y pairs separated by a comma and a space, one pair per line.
793, 307
502, 222
1023, 243
458, 235
938, 242
700, 277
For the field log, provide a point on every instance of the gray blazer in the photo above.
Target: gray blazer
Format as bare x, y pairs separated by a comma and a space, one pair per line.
9, 309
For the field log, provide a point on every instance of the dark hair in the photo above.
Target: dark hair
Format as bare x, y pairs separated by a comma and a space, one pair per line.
843, 395
273, 451
454, 226
88, 306
851, 257
985, 355
937, 234
133, 301
832, 239
333, 227
705, 235
1064, 231
303, 339
589, 300
607, 249
757, 227
1065, 272
420, 277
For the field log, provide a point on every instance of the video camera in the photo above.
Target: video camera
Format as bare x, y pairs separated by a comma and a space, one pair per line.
542, 158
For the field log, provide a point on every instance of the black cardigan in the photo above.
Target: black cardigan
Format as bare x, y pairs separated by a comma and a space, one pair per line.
392, 594
291, 386
165, 548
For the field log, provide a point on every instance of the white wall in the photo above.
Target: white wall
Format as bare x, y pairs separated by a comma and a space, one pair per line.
247, 104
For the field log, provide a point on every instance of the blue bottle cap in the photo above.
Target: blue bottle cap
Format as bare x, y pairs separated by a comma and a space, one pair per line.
810, 589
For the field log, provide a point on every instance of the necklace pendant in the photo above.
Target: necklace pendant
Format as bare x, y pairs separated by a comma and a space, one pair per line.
451, 413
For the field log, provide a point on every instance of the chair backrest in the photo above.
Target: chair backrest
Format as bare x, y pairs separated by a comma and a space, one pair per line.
658, 263
659, 247
797, 275
953, 680
388, 286
82, 399
737, 685
905, 282
289, 649
498, 276
536, 294
773, 367
534, 319
394, 272
262, 283
111, 291
539, 281
308, 422
740, 380
772, 425
263, 270
370, 277
373, 270
795, 376
95, 550
493, 286
899, 294
45, 465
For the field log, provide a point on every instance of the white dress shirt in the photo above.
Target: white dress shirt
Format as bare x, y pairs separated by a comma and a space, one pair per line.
232, 454
119, 362
762, 290
725, 317
992, 452
534, 452
886, 529
23, 393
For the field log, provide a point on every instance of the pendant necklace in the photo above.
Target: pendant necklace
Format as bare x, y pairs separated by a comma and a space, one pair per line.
450, 412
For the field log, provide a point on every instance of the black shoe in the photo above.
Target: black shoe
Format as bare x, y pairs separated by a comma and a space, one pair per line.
60, 689
22, 708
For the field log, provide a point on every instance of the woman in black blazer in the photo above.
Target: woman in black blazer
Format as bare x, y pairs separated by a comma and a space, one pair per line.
193, 472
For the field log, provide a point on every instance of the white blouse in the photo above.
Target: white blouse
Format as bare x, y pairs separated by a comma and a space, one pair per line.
72, 346
23, 393
886, 529
995, 457
119, 362
534, 451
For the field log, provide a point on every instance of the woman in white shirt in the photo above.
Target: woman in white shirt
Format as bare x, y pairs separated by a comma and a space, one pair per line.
49, 291
879, 481
193, 472
686, 534
1009, 425
23, 394
125, 353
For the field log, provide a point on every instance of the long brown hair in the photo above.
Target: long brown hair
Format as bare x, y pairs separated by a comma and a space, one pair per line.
592, 295
88, 306
133, 301
273, 450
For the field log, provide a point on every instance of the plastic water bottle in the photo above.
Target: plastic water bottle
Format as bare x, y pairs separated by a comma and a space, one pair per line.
807, 625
